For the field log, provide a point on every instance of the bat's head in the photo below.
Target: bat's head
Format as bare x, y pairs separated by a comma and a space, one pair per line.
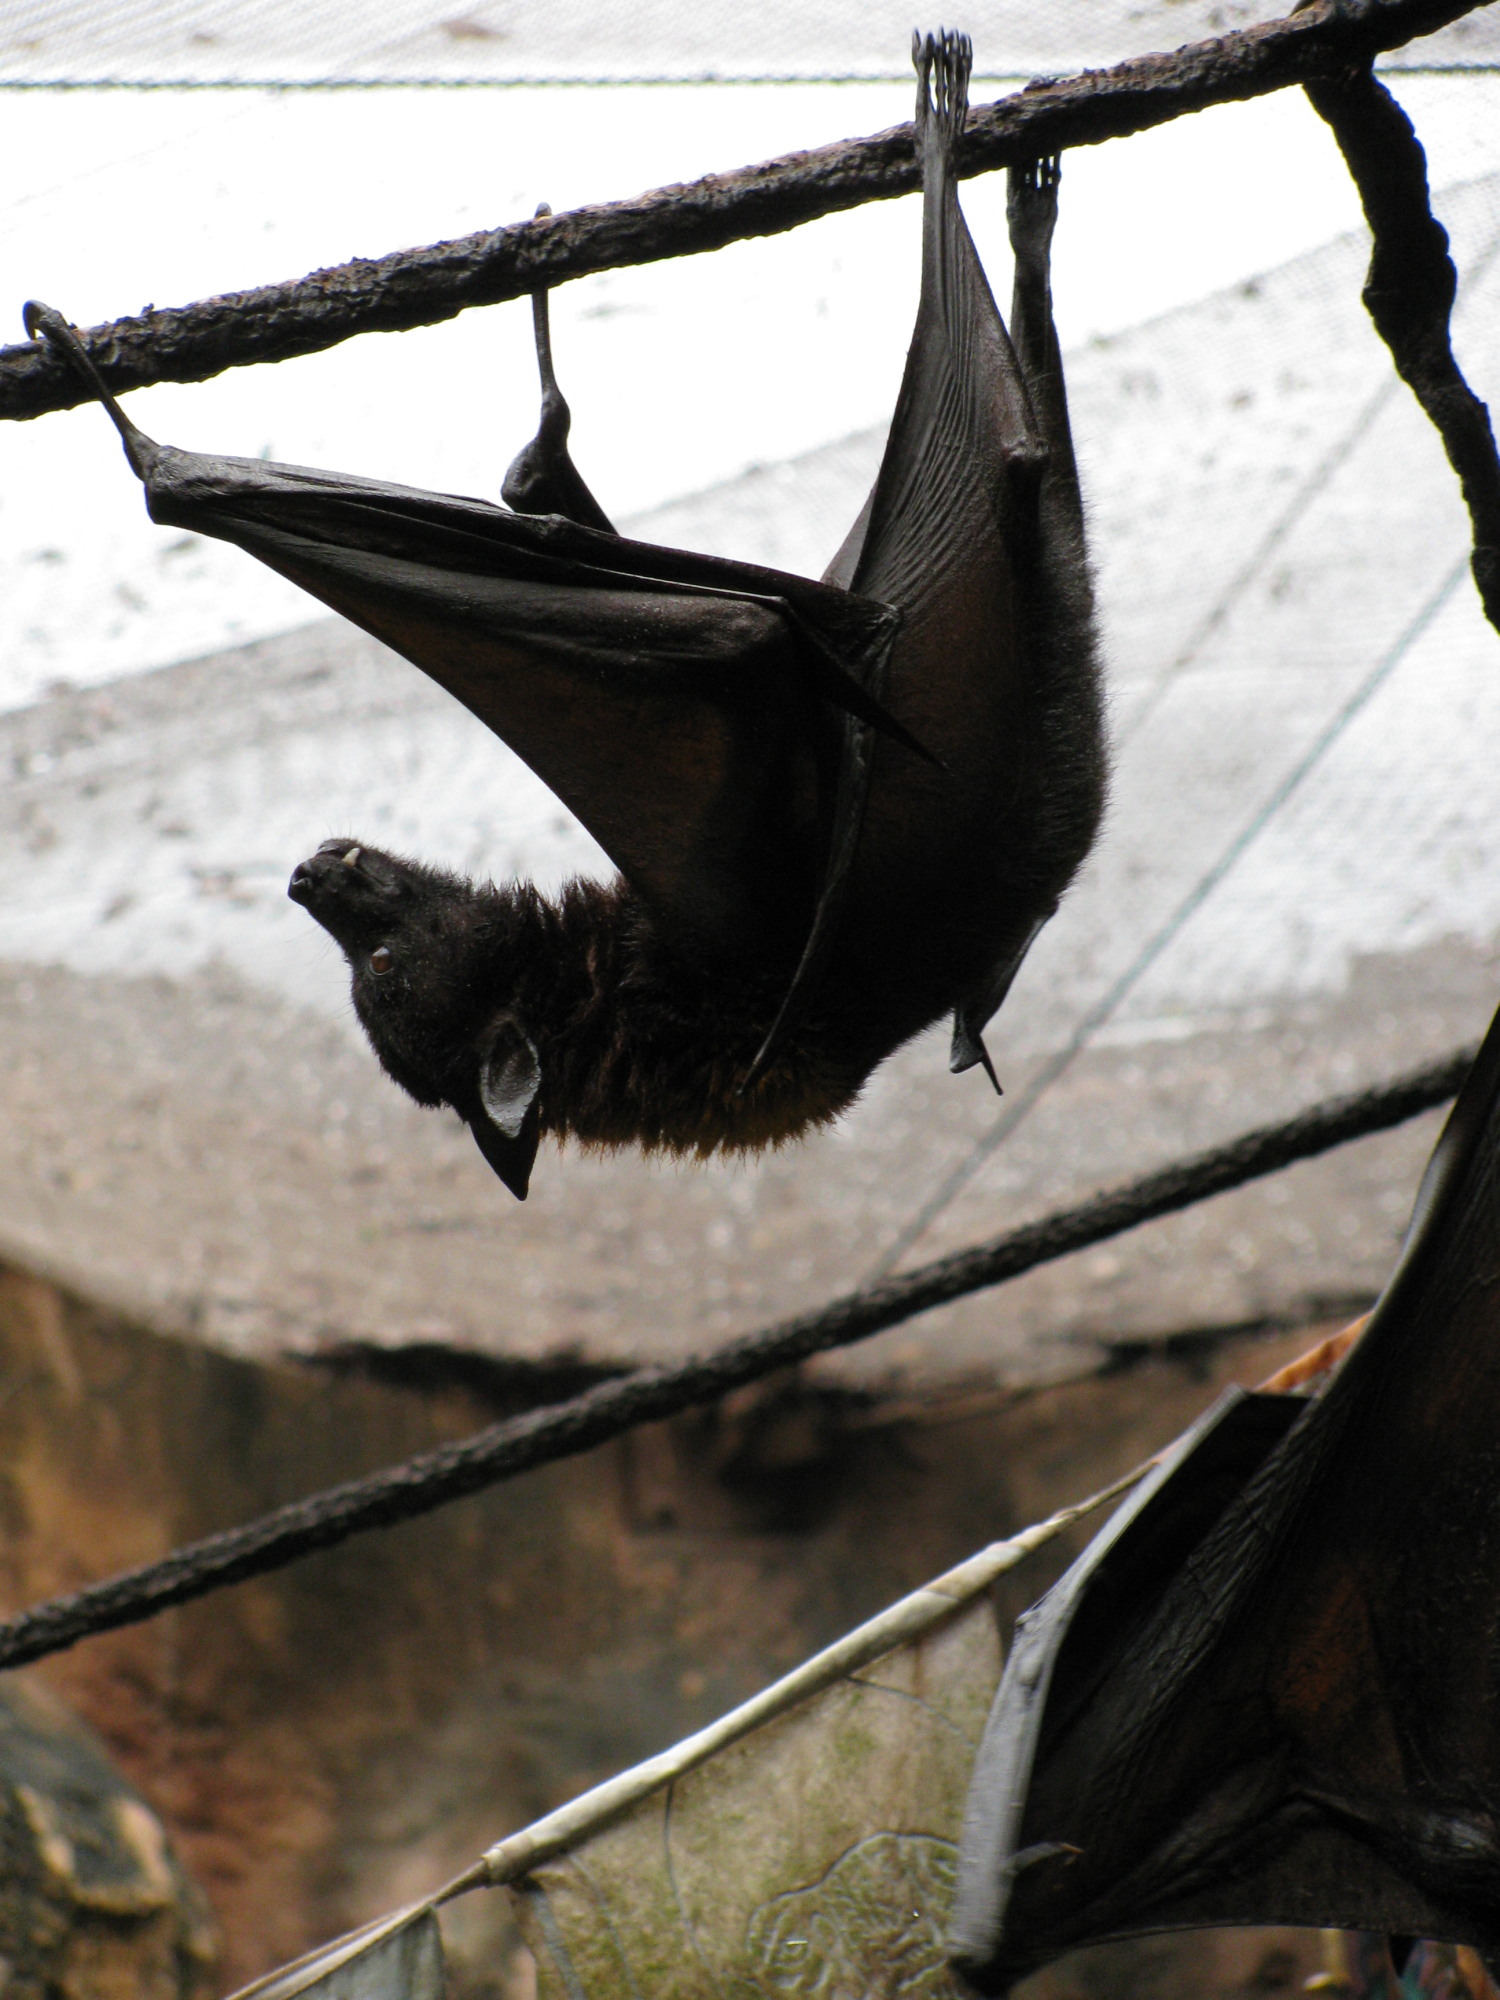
426, 953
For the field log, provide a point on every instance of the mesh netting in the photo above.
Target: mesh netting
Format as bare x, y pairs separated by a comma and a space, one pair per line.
314, 43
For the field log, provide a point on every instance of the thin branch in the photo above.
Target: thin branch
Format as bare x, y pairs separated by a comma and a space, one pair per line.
412, 288
1410, 291
647, 1395
909, 1618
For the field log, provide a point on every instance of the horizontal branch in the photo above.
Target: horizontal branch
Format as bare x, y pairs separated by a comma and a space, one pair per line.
561, 1430
411, 288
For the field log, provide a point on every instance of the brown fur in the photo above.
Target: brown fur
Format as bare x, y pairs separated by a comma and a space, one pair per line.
636, 1045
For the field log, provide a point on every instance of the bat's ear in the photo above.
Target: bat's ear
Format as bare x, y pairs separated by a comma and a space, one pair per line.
505, 1119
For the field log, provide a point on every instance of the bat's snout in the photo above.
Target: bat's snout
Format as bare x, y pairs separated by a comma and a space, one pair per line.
340, 876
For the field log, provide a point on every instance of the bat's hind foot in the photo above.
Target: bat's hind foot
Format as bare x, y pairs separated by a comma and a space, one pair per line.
1031, 206
943, 62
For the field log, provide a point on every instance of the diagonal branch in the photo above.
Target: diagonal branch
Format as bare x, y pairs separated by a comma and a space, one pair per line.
412, 288
1410, 291
560, 1430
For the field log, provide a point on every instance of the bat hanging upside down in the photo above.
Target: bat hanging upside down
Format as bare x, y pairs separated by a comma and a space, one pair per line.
840, 810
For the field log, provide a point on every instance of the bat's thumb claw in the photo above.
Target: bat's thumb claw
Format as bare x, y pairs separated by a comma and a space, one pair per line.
44, 323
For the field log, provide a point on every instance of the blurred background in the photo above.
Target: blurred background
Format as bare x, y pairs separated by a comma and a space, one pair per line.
1297, 891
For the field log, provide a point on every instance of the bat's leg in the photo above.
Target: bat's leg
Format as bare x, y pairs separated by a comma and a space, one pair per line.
543, 478
1031, 211
1060, 607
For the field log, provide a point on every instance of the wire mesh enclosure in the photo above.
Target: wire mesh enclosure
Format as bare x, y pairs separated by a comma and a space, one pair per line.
579, 41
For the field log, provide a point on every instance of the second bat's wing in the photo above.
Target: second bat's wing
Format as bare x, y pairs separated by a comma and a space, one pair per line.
687, 709
1295, 1718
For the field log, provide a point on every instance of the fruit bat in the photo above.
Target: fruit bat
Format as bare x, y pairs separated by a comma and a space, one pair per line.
839, 809
1269, 1691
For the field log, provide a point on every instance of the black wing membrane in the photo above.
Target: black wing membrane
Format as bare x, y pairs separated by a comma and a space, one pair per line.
739, 740
663, 696
685, 707
950, 533
1269, 1692
964, 453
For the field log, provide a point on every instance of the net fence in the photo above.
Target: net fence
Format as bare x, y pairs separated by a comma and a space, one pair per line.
327, 43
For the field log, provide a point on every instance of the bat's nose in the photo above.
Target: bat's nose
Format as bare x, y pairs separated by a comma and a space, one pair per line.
323, 870
338, 876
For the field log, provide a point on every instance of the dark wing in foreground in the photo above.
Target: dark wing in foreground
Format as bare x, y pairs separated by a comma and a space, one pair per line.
1269, 1693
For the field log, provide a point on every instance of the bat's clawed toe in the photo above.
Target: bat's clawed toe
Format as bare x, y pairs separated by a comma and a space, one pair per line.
942, 62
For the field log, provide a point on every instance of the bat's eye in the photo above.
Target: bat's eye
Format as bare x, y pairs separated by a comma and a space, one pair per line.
382, 959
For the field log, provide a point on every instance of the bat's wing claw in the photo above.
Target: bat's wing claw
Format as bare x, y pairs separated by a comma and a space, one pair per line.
43, 322
968, 1049
980, 1005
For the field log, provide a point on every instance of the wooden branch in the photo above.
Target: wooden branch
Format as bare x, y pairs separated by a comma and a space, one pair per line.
412, 288
1410, 291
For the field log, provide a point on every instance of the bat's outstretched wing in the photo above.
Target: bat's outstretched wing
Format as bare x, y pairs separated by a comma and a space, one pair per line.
687, 709
1276, 1699
739, 740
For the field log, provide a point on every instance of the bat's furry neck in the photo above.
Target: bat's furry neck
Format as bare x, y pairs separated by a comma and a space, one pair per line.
637, 1045
646, 1047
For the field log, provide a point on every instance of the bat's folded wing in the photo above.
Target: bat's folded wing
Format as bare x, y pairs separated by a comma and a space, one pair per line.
1277, 1700
684, 707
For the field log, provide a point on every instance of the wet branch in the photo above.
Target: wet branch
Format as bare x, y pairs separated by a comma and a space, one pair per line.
411, 288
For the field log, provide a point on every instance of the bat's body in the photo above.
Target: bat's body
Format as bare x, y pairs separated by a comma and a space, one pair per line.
839, 809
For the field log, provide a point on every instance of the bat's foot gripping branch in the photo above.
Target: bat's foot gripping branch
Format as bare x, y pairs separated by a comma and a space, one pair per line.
943, 62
